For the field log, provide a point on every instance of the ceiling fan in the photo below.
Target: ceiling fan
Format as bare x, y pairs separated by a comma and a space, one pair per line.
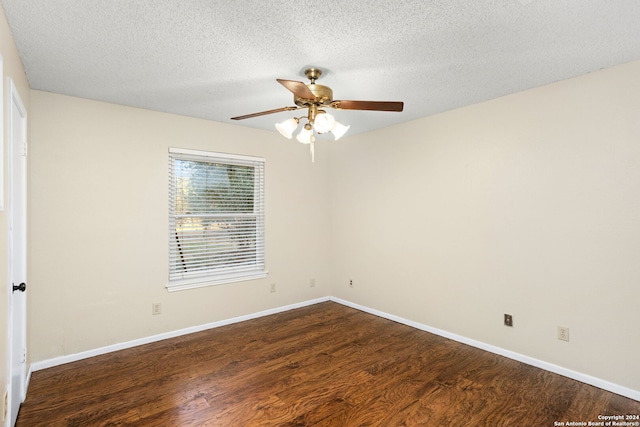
315, 98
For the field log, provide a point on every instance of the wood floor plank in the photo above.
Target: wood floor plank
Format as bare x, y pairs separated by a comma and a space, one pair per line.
322, 365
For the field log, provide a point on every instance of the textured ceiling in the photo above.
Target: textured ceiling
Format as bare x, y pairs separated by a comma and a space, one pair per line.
217, 59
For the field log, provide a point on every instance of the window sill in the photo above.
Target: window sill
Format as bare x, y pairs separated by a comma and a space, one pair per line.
181, 285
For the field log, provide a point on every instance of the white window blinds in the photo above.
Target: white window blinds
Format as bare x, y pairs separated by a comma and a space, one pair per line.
216, 218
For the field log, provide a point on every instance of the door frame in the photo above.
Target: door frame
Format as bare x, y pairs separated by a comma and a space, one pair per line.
14, 100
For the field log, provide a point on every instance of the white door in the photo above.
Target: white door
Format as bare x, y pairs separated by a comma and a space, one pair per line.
17, 215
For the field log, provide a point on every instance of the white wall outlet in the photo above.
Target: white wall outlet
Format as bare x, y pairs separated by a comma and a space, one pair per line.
272, 288
350, 283
563, 333
156, 308
312, 283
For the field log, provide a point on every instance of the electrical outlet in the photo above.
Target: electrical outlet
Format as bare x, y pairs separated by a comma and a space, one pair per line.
350, 283
312, 283
5, 407
508, 320
563, 333
272, 288
156, 308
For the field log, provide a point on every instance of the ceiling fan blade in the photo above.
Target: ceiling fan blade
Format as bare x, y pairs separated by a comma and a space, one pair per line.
264, 113
368, 105
299, 89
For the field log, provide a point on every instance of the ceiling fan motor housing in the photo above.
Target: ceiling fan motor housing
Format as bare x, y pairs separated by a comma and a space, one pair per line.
323, 96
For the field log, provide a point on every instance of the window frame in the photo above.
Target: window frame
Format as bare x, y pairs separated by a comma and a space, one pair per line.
217, 276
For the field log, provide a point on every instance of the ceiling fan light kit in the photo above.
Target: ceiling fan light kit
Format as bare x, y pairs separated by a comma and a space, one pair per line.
314, 98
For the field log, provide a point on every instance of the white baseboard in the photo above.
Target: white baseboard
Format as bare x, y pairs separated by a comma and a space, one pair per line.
56, 361
578, 376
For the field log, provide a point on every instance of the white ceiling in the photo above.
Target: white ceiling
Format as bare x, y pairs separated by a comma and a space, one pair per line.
216, 59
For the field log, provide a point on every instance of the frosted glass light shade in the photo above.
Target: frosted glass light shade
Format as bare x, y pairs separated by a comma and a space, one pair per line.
339, 130
305, 135
324, 123
287, 127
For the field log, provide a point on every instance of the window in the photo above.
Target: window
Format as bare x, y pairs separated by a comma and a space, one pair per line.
216, 218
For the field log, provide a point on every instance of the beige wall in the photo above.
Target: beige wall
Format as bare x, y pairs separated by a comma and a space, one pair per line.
12, 69
528, 204
99, 224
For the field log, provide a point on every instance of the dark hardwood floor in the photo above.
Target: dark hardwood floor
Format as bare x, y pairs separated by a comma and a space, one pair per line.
322, 365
